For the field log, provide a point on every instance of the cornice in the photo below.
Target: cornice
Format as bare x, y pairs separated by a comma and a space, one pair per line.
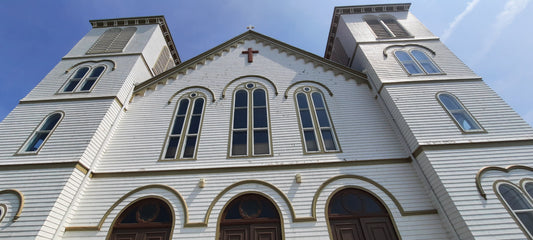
191, 64
377, 8
136, 21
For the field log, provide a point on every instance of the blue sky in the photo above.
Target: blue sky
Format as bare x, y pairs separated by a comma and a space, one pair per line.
491, 37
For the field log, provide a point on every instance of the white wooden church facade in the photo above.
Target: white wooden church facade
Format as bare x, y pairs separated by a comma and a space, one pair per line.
390, 136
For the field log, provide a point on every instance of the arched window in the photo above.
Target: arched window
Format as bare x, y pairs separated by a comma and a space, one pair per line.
528, 186
356, 214
82, 80
36, 141
184, 132
385, 26
248, 217
408, 63
519, 206
424, 61
459, 113
316, 128
149, 218
250, 129
113, 40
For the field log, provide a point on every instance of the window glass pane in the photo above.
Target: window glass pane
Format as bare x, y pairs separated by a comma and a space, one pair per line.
261, 142
371, 206
71, 85
513, 197
194, 125
424, 60
241, 98
322, 116
527, 220
529, 189
412, 68
402, 56
429, 67
198, 106
190, 145
178, 125
239, 118
88, 84
317, 100
260, 117
302, 100
51, 121
450, 102
239, 143
310, 140
465, 121
306, 118
182, 109
80, 73
327, 137
37, 141
259, 97
96, 72
172, 147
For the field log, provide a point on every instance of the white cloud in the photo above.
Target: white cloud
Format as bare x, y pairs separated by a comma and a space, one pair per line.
469, 7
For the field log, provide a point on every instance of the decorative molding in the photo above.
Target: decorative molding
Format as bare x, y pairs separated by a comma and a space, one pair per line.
424, 79
407, 45
312, 82
191, 87
507, 169
246, 76
20, 196
93, 61
467, 144
136, 21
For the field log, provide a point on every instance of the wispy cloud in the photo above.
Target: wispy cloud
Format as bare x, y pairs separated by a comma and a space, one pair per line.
469, 7
505, 18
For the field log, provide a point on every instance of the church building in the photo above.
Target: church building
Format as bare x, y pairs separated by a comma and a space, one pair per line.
387, 136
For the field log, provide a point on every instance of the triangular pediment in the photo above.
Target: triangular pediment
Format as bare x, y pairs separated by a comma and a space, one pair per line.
210, 55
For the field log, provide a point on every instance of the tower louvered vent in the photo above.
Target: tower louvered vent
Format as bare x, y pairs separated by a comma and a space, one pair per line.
113, 40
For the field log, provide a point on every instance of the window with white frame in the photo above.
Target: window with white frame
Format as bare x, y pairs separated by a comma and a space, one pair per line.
385, 26
518, 205
318, 134
416, 62
458, 112
42, 133
184, 132
250, 132
83, 80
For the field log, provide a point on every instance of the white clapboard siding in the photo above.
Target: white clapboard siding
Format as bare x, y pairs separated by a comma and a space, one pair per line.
363, 131
399, 179
46, 191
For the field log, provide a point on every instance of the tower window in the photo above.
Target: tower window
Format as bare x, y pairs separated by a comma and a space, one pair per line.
83, 80
316, 128
386, 26
459, 113
112, 40
183, 136
519, 206
37, 139
250, 134
416, 62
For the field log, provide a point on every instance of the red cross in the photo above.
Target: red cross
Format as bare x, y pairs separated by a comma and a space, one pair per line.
250, 53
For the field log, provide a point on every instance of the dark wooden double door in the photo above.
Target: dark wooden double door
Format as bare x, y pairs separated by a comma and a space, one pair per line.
251, 232
141, 234
372, 228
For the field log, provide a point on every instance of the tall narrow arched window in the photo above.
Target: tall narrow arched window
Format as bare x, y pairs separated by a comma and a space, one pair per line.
42, 133
149, 218
459, 113
316, 127
416, 62
408, 63
75, 79
424, 61
520, 207
83, 79
184, 132
89, 81
250, 132
250, 216
356, 214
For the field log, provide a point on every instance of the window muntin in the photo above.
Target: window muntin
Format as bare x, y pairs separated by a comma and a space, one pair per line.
408, 63
518, 205
317, 131
424, 61
83, 80
183, 136
42, 133
416, 62
250, 133
460, 115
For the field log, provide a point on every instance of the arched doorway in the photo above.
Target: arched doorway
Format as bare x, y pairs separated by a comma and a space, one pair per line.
250, 216
149, 218
356, 214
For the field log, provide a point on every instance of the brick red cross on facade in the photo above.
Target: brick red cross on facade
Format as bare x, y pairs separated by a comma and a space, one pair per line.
250, 53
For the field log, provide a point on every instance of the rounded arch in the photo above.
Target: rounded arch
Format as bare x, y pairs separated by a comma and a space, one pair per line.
286, 94
92, 61
361, 211
192, 87
513, 199
401, 46
149, 212
246, 76
251, 208
20, 197
171, 190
